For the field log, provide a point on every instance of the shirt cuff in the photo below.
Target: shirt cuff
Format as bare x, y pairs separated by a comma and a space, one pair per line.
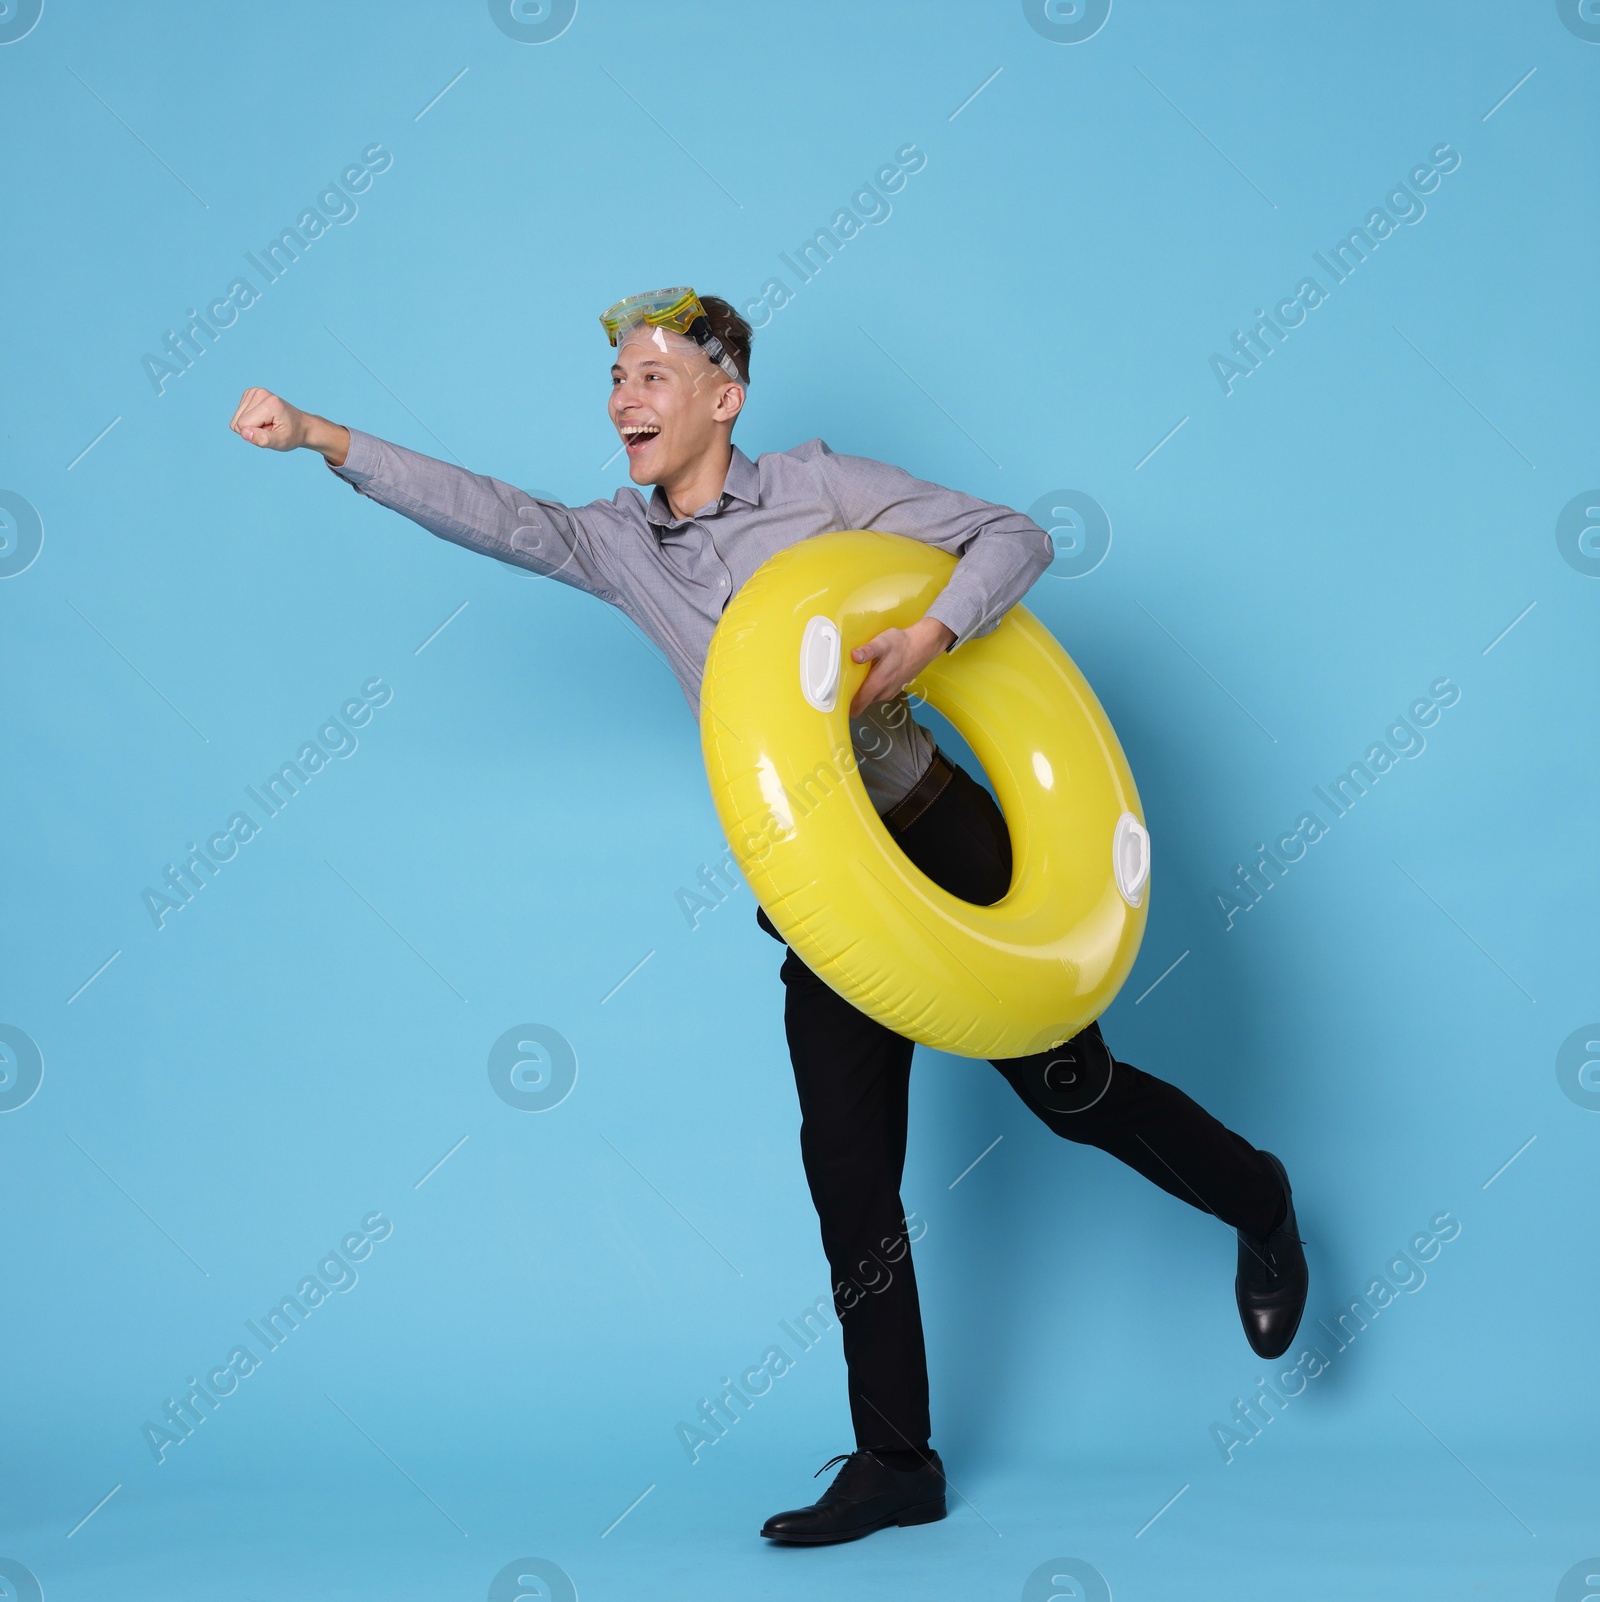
959, 616
361, 460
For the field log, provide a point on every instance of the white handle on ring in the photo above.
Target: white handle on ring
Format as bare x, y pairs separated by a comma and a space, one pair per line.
1130, 858
819, 663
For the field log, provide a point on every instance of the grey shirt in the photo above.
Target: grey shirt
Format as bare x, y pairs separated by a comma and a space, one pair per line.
674, 575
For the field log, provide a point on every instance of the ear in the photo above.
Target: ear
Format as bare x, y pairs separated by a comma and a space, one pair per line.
729, 403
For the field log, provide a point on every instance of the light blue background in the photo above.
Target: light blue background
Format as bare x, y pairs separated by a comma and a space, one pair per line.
303, 1044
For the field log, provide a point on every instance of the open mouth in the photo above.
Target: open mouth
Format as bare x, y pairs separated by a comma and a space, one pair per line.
638, 435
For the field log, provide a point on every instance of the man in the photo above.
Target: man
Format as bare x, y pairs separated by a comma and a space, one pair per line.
679, 381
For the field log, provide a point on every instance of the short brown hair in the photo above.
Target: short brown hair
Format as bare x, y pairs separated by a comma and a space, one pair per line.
732, 330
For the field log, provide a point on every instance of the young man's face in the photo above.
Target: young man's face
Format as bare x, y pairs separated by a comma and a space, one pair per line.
668, 404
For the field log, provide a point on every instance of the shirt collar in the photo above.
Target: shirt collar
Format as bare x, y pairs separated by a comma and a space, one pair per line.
743, 483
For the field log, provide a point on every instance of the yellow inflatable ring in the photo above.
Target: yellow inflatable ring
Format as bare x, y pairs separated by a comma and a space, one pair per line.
1000, 981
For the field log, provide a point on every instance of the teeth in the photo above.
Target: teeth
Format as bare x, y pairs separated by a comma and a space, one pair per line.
631, 433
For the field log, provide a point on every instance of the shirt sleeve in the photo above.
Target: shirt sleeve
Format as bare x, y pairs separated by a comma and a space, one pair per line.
567, 543
1000, 552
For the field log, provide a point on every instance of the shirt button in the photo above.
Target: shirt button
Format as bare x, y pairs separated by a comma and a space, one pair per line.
722, 584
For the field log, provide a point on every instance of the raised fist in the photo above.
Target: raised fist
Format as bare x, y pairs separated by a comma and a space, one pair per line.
264, 419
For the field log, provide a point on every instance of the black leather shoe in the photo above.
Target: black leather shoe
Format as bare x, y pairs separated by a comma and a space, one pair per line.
867, 1494
1272, 1280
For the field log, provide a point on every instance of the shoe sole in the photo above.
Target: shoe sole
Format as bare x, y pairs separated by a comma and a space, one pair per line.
925, 1513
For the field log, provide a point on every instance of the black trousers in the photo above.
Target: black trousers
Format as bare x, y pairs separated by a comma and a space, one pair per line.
853, 1076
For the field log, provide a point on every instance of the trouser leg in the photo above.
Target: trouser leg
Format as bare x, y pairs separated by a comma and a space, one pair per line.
1078, 1089
1082, 1093
853, 1078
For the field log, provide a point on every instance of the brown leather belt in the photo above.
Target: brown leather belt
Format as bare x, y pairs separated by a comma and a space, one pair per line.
921, 796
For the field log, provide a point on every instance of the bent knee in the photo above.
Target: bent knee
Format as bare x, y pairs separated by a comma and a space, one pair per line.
1066, 1081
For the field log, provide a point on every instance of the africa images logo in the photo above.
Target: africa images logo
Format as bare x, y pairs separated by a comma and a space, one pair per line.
1403, 740
335, 740
334, 205
1402, 206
